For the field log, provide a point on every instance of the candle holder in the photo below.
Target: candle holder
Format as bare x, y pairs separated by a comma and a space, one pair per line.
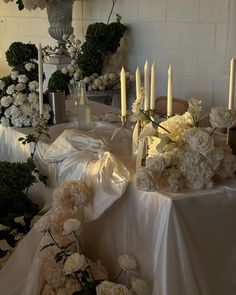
123, 120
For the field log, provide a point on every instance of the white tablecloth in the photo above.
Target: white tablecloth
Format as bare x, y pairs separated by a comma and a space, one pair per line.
185, 243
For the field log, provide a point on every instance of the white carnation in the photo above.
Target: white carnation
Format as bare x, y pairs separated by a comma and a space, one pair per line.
144, 180
71, 225
127, 262
22, 79
74, 263
222, 117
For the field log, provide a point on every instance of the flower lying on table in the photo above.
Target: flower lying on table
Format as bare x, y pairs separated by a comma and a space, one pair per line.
66, 268
183, 155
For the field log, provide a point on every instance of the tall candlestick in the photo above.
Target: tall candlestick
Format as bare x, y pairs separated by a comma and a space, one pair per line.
40, 73
153, 87
169, 91
231, 84
123, 92
138, 83
146, 87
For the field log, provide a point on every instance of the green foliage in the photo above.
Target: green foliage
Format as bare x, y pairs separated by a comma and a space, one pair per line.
101, 41
19, 53
59, 81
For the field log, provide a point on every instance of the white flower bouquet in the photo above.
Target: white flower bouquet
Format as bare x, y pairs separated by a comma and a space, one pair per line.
67, 270
183, 155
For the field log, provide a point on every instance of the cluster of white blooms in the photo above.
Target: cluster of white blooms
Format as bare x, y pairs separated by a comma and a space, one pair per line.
183, 155
94, 81
19, 104
63, 224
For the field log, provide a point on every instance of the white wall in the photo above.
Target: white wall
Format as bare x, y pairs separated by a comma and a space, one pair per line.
190, 34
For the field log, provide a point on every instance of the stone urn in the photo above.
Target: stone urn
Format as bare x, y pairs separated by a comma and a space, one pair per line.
60, 18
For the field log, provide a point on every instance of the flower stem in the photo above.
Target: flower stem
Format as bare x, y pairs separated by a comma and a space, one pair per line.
117, 277
112, 7
79, 281
57, 243
213, 130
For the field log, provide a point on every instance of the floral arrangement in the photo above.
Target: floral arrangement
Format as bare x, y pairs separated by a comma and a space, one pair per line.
66, 268
17, 212
19, 99
183, 155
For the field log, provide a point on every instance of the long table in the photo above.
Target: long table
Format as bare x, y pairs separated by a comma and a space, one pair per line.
185, 243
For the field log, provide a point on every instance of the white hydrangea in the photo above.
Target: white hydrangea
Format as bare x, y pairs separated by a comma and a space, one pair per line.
6, 101
19, 87
5, 122
22, 79
20, 99
33, 85
29, 66
14, 111
10, 89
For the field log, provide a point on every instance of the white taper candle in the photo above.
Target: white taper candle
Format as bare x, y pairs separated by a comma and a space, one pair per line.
169, 91
231, 84
153, 87
123, 92
40, 73
146, 86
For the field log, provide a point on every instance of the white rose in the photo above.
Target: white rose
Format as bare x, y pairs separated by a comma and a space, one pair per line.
42, 224
156, 164
195, 106
104, 288
140, 287
64, 70
127, 262
222, 117
22, 79
119, 290
201, 142
74, 263
71, 68
20, 220
71, 225
144, 180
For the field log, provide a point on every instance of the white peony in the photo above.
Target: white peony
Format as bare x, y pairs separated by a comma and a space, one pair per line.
156, 164
104, 288
74, 263
222, 117
201, 142
119, 290
22, 79
127, 262
140, 287
71, 225
144, 180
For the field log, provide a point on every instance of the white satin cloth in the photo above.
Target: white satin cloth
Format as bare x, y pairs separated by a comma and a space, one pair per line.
185, 243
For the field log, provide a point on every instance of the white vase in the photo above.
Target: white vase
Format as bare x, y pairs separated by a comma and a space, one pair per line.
60, 18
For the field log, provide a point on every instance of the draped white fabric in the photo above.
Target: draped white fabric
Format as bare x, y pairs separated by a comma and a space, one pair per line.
185, 243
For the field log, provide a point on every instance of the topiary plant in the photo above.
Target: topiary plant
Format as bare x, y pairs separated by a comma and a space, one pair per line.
59, 81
